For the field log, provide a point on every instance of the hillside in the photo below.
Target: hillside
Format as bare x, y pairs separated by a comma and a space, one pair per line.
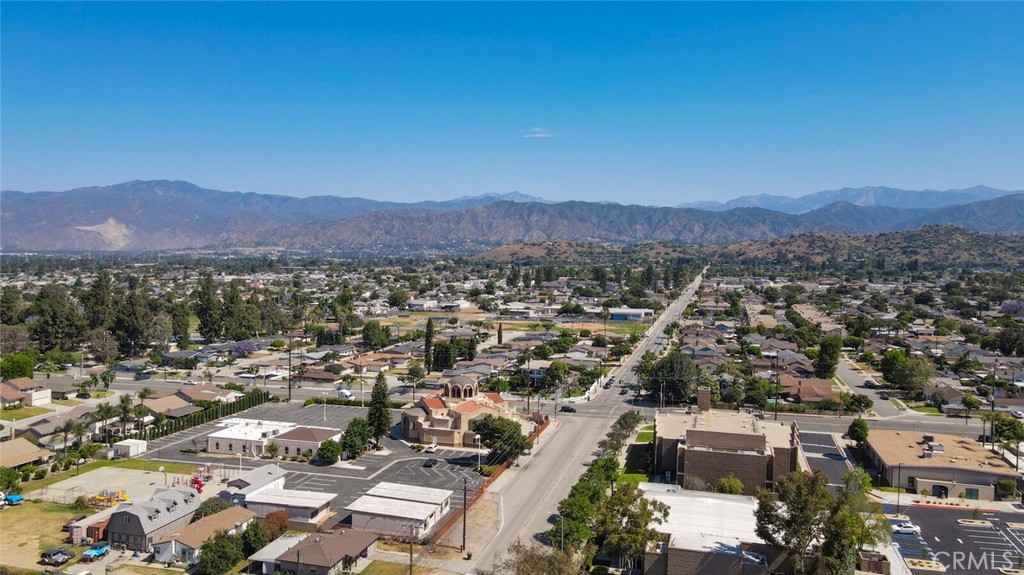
590, 254
940, 246
866, 196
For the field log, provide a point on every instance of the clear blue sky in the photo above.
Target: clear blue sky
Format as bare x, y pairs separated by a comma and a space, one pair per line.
633, 103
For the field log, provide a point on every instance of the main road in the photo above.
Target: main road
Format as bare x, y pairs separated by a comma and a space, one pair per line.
530, 499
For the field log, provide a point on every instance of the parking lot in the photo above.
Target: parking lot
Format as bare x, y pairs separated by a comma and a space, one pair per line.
396, 461
822, 452
972, 548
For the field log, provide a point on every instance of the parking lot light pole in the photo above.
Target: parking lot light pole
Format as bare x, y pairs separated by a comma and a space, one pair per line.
478, 452
899, 485
325, 405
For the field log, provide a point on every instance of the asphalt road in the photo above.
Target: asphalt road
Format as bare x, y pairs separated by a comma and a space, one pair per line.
856, 379
530, 502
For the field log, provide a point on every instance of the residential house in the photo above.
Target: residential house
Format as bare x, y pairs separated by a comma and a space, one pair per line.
20, 451
138, 524
34, 392
185, 545
264, 561
330, 553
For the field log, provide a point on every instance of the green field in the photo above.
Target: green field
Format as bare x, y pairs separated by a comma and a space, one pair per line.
644, 437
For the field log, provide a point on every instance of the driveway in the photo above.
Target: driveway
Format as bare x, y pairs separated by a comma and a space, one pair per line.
825, 454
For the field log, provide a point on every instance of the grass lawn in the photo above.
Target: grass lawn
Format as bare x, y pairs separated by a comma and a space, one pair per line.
67, 402
131, 569
100, 394
645, 437
633, 478
638, 458
23, 413
892, 489
647, 427
140, 464
927, 409
29, 528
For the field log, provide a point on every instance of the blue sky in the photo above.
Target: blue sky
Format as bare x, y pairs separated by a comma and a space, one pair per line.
634, 103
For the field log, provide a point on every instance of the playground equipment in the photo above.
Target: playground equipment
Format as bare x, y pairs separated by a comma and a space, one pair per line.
109, 498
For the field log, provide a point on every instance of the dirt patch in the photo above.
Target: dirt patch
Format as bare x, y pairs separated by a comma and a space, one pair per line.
28, 529
136, 484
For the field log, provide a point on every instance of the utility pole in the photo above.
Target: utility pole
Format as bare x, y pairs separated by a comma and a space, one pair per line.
410, 547
465, 512
289, 368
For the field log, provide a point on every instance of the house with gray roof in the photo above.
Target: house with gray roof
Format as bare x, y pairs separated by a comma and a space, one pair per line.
137, 524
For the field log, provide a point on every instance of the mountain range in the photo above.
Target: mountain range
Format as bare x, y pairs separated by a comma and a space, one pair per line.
867, 196
172, 215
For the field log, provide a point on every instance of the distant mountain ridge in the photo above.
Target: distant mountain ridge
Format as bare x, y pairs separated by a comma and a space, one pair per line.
175, 215
867, 196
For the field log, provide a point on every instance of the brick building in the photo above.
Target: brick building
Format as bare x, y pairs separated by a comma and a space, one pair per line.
710, 444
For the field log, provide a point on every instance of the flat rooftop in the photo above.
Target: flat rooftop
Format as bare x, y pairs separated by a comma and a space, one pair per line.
276, 548
250, 429
392, 508
291, 498
413, 493
703, 521
675, 424
908, 447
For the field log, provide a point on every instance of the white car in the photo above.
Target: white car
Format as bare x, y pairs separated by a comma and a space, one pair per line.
906, 529
1018, 414
191, 382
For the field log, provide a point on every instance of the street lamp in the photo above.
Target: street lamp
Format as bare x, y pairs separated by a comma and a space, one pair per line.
325, 405
899, 485
478, 452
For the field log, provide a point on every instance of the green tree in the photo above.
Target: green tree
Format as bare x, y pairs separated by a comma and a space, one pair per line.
729, 484
208, 308
329, 451
675, 374
10, 480
357, 436
378, 416
98, 302
219, 554
398, 298
180, 318
58, 324
858, 431
971, 403
254, 538
828, 356
501, 335
104, 413
10, 305
209, 507
428, 345
16, 365
375, 336
504, 437
795, 514
132, 320
625, 521
125, 411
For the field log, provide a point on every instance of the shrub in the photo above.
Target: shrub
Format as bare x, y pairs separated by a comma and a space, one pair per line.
40, 473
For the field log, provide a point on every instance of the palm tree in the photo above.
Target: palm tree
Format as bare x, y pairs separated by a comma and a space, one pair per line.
104, 413
65, 430
144, 393
108, 377
79, 431
124, 411
139, 413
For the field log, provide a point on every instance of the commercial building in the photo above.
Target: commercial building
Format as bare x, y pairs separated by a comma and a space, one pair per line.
252, 482
302, 439
398, 509
706, 534
185, 545
138, 524
939, 465
709, 444
306, 509
246, 436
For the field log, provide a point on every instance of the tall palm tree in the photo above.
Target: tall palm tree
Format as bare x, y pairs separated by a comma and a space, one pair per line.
65, 430
139, 413
104, 413
144, 393
79, 431
124, 411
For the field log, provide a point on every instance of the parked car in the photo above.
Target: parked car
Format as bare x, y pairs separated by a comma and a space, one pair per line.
191, 382
432, 448
906, 528
567, 409
84, 395
58, 556
623, 391
95, 551
1018, 414
430, 462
